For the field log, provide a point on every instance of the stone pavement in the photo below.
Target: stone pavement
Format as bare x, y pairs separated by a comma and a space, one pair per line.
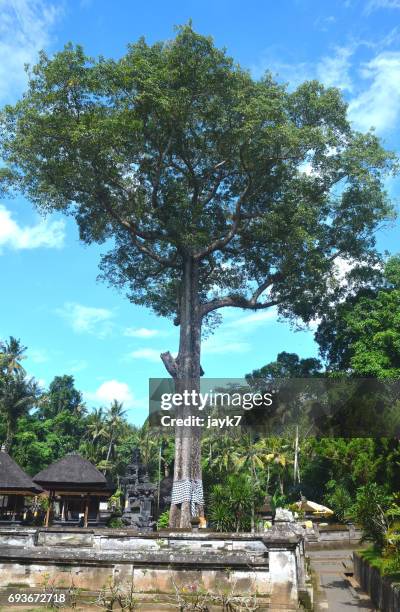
336, 589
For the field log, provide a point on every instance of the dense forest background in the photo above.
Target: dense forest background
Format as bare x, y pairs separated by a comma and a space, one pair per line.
360, 337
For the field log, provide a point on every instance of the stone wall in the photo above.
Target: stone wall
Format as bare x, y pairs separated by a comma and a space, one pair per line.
383, 592
332, 536
271, 564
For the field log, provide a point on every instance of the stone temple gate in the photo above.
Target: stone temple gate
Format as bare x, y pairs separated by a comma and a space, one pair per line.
139, 493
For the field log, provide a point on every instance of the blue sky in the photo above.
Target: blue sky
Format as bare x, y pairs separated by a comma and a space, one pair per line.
49, 294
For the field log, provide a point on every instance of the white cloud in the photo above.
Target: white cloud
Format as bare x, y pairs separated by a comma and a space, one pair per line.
342, 267
38, 355
25, 28
78, 365
375, 94
47, 234
111, 390
140, 332
256, 318
334, 70
229, 338
379, 105
292, 72
313, 324
374, 5
87, 319
148, 354
220, 346
323, 23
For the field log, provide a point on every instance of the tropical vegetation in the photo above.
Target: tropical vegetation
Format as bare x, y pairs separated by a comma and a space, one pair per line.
272, 187
358, 477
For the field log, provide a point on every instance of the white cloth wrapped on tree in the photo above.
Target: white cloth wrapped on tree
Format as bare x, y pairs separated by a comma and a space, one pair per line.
188, 491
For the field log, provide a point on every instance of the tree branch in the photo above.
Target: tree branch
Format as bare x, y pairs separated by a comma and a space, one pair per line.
170, 364
220, 243
127, 224
156, 182
136, 238
212, 192
240, 301
236, 302
146, 250
261, 288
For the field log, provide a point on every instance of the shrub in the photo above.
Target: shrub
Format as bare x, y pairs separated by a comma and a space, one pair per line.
232, 504
370, 512
115, 523
163, 520
338, 499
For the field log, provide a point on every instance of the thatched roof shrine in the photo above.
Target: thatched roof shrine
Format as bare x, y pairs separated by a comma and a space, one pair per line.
13, 480
72, 472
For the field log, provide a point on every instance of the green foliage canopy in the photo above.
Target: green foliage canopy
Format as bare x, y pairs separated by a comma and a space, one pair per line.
61, 397
174, 151
362, 334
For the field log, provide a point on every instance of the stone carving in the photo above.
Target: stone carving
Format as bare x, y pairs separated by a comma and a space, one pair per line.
283, 515
139, 495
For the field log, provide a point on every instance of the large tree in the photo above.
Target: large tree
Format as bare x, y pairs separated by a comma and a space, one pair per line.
287, 365
62, 396
214, 189
361, 335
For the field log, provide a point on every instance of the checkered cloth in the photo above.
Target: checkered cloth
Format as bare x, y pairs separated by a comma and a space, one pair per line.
188, 490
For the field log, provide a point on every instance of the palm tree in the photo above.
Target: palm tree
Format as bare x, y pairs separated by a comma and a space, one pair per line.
96, 426
148, 444
279, 457
94, 444
252, 456
17, 396
114, 421
223, 452
12, 352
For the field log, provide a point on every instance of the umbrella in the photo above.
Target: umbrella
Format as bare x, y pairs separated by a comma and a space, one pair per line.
317, 509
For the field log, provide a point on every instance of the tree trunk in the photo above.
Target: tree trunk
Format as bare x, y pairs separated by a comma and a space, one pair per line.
253, 509
109, 452
187, 466
281, 483
159, 478
296, 471
9, 435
